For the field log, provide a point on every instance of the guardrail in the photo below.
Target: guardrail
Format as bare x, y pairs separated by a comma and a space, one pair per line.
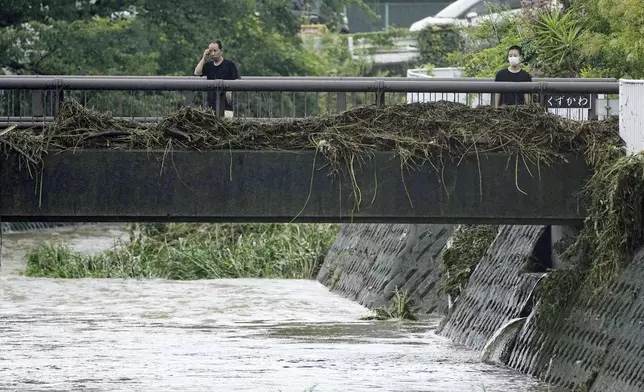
291, 78
34, 100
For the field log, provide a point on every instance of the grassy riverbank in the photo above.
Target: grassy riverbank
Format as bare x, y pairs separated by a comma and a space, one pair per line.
184, 251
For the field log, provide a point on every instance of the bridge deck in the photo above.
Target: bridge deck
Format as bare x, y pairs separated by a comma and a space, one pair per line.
263, 186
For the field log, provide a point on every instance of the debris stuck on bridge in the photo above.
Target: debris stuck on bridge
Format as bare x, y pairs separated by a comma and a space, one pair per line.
417, 132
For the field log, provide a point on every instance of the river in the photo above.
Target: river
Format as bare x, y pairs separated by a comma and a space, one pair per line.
213, 335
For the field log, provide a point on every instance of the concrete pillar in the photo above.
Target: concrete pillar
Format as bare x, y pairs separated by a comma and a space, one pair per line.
557, 233
631, 114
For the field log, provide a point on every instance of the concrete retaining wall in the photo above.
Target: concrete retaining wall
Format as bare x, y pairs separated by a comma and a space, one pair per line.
600, 347
368, 261
497, 290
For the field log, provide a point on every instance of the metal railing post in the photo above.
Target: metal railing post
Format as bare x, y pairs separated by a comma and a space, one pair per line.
218, 102
60, 95
37, 106
60, 98
380, 98
342, 101
189, 97
593, 114
380, 93
542, 94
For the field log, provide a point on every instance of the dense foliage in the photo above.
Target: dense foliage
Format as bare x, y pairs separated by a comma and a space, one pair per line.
470, 244
195, 251
581, 38
435, 43
161, 37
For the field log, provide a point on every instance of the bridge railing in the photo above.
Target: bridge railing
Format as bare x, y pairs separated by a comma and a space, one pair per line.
34, 100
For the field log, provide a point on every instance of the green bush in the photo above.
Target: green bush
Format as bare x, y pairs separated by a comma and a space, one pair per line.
436, 42
195, 251
471, 242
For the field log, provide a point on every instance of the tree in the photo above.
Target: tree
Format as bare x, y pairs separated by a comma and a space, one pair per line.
17, 12
82, 47
557, 41
587, 38
165, 37
259, 46
615, 43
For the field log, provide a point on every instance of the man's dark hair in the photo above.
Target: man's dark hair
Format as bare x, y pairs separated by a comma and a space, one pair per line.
218, 42
513, 47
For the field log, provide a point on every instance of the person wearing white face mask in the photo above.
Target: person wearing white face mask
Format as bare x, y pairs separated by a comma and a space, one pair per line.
513, 73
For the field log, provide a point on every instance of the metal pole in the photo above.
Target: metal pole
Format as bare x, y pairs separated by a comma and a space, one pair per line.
386, 16
60, 98
592, 112
37, 106
342, 102
287, 78
416, 85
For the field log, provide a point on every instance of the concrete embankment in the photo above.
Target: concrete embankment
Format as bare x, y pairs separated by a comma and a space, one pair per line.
367, 262
598, 347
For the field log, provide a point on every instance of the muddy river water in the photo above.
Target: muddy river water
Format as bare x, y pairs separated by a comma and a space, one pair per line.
213, 335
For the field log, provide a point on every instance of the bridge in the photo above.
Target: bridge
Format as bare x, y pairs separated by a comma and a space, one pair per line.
266, 185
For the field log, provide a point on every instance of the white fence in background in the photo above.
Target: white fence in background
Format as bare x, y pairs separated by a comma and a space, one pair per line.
629, 106
450, 72
486, 99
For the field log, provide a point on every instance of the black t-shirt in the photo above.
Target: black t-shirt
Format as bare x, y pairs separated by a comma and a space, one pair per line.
505, 75
226, 70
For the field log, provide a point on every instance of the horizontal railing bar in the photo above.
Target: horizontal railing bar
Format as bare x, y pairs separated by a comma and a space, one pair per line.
24, 124
287, 78
18, 120
428, 86
31, 122
382, 85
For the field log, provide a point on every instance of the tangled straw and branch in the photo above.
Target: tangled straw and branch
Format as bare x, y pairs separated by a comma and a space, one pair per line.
417, 132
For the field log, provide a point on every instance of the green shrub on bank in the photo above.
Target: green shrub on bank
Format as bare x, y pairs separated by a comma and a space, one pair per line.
401, 307
195, 251
470, 243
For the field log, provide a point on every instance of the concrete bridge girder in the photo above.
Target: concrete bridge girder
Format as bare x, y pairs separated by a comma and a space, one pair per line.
284, 186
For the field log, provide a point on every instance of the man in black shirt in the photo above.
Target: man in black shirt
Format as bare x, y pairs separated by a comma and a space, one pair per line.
513, 73
213, 65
